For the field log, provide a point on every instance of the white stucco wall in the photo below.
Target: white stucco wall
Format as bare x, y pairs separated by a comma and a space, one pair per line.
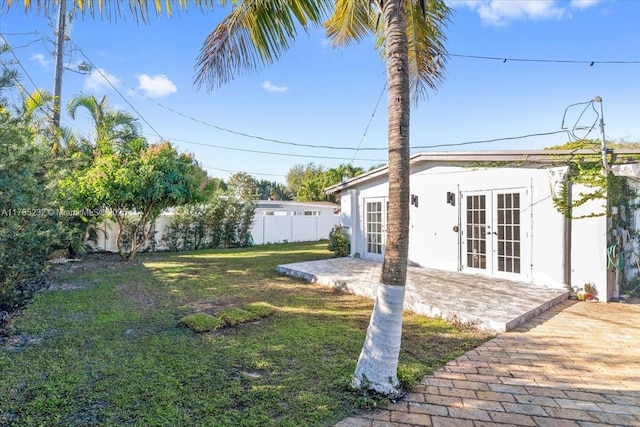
434, 243
589, 244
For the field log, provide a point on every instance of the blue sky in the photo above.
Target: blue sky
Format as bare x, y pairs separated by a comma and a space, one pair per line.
318, 95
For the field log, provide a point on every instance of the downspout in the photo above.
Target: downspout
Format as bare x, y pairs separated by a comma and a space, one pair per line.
355, 221
459, 229
568, 236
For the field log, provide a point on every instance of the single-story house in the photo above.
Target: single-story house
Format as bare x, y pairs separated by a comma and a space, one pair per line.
289, 207
507, 214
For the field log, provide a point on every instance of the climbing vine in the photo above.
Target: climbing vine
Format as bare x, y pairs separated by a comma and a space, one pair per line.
586, 170
588, 174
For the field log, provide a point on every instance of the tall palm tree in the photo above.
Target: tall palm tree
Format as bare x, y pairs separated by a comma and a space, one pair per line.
410, 36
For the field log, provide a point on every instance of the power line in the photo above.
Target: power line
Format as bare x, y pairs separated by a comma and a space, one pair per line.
250, 173
44, 107
549, 61
26, 73
265, 152
485, 141
117, 90
248, 135
364, 135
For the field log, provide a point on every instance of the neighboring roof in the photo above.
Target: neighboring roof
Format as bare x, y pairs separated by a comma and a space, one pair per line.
521, 157
287, 204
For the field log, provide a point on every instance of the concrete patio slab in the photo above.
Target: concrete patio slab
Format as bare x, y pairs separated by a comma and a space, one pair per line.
485, 302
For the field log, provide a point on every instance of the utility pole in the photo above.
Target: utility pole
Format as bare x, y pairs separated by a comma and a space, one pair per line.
603, 146
57, 82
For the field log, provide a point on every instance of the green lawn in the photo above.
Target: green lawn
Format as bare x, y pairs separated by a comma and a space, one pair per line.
109, 347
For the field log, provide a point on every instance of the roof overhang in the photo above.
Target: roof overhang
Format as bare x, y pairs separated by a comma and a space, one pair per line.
548, 158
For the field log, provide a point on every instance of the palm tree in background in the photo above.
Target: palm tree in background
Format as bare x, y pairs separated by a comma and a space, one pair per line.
114, 129
410, 37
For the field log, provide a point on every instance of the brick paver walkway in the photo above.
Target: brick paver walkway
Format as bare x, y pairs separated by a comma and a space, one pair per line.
577, 364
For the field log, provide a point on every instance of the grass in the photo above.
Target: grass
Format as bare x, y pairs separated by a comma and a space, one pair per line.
204, 322
114, 352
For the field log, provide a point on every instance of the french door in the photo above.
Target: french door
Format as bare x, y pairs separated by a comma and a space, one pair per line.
493, 234
375, 226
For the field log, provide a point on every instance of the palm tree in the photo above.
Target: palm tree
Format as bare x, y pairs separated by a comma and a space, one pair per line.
114, 129
410, 35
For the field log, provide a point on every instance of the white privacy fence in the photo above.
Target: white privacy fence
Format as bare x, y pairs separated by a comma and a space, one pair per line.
266, 229
292, 228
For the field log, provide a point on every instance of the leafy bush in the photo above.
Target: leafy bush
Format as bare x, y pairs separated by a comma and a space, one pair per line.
222, 223
339, 242
28, 216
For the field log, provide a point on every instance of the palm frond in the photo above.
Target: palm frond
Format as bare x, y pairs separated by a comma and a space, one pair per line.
256, 33
139, 10
351, 21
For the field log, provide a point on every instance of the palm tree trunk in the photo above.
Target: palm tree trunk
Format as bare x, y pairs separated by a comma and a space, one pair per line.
378, 363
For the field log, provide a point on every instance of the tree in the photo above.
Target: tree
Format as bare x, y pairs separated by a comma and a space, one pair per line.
271, 190
310, 180
410, 37
131, 179
256, 33
300, 174
114, 129
28, 216
243, 186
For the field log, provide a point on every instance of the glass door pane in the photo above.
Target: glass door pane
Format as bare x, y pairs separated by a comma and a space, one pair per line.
476, 231
508, 223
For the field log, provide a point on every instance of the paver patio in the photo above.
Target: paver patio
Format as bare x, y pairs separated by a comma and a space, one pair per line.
562, 363
577, 364
485, 302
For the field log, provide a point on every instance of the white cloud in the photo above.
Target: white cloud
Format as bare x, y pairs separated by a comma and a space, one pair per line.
502, 12
99, 79
270, 87
583, 4
156, 86
40, 59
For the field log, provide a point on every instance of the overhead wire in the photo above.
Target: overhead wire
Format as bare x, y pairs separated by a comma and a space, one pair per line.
330, 147
542, 60
575, 127
366, 129
124, 98
251, 136
44, 107
265, 152
26, 73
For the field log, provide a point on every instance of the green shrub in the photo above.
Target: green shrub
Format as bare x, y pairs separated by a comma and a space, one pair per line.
28, 220
202, 322
339, 242
224, 222
409, 375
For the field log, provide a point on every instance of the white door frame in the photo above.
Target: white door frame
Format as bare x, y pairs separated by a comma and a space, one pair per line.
495, 233
374, 227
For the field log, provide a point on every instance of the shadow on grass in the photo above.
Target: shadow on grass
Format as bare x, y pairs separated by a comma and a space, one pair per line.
119, 356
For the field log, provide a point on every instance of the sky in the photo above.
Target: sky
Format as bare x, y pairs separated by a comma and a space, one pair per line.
515, 68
